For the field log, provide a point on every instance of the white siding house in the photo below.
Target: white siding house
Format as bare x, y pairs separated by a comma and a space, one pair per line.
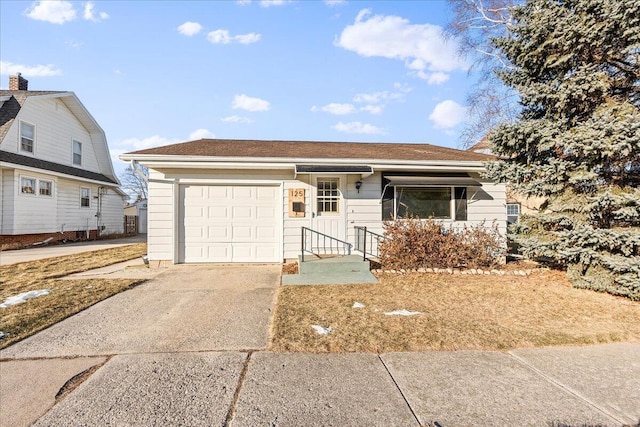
56, 176
247, 201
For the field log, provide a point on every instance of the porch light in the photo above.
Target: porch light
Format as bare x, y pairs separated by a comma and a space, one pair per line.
358, 185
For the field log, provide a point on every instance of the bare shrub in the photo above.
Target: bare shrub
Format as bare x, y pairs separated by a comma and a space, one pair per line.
416, 243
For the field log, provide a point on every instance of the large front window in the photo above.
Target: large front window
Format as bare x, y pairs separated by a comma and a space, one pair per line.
423, 202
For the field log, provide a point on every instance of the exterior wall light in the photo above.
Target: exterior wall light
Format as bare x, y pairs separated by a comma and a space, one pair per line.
358, 185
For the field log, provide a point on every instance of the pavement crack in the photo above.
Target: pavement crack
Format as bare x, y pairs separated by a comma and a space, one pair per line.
399, 389
75, 381
236, 395
567, 389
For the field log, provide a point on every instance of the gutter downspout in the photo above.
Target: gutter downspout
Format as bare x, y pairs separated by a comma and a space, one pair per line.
137, 171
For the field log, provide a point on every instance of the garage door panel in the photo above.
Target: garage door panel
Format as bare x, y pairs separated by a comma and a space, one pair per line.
217, 212
221, 233
194, 232
266, 213
241, 232
241, 212
266, 232
229, 223
266, 193
240, 193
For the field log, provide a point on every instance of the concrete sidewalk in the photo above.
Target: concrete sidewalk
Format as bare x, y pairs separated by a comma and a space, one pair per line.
189, 347
41, 252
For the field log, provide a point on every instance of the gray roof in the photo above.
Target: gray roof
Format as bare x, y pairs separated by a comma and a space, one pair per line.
11, 107
18, 159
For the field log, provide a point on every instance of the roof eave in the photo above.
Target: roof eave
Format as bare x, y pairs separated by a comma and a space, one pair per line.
201, 162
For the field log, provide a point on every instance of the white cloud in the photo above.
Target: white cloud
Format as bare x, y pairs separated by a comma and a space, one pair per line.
189, 28
236, 119
269, 3
53, 11
448, 114
358, 127
243, 2
373, 109
244, 102
247, 38
73, 43
223, 37
335, 108
382, 96
91, 15
437, 78
9, 68
423, 47
334, 2
200, 134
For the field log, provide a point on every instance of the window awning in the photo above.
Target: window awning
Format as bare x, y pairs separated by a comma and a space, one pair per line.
410, 181
343, 169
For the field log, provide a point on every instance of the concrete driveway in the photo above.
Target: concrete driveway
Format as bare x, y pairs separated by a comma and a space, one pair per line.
189, 348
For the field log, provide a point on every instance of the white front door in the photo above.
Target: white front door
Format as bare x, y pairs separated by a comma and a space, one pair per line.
329, 210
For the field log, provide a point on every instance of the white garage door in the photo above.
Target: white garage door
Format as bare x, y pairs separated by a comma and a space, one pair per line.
222, 223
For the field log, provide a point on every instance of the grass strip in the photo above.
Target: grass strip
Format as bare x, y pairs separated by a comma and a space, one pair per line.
457, 312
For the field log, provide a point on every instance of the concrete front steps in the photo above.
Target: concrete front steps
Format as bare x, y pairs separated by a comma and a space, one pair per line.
340, 270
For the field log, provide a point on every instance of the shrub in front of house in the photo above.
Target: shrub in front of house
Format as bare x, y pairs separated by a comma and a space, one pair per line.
425, 243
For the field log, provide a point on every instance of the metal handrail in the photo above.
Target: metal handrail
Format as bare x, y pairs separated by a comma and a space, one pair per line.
309, 237
361, 242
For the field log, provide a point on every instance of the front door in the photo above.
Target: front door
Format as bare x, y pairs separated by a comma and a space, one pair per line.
329, 210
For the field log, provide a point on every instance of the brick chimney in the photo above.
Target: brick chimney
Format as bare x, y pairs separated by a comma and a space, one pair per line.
18, 82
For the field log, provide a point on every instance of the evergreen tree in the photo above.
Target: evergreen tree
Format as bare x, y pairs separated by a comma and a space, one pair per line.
575, 65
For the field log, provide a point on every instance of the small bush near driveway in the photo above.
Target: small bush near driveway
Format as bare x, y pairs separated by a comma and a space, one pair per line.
457, 312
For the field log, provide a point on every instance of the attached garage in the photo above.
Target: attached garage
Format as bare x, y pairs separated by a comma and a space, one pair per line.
230, 223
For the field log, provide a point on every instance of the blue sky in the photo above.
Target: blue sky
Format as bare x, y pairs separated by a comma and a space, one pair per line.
155, 73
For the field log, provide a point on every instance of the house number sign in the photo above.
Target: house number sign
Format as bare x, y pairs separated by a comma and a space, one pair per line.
296, 203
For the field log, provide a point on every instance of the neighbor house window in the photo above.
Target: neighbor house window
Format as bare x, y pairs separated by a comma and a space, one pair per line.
328, 196
85, 197
45, 188
423, 202
513, 212
27, 137
77, 153
28, 185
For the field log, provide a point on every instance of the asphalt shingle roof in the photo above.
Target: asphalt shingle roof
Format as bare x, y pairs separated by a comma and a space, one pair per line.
18, 159
313, 150
11, 107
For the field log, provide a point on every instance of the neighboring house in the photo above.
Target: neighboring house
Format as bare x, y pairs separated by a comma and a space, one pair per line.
138, 209
56, 176
517, 204
247, 201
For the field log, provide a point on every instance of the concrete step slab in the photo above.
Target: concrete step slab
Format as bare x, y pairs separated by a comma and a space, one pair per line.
333, 278
345, 264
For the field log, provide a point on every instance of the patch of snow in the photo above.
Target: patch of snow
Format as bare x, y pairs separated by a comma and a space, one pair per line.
321, 330
357, 305
23, 297
402, 312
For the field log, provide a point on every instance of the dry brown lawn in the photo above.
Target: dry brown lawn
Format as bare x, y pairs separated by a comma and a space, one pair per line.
458, 312
67, 297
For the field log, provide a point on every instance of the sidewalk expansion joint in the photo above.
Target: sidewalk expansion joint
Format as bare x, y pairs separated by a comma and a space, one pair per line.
567, 389
236, 395
399, 390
